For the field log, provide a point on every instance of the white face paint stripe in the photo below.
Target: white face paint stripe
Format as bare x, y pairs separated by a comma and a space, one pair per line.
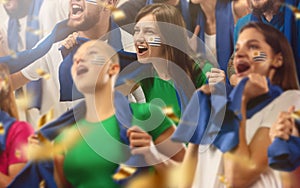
258, 57
98, 60
154, 41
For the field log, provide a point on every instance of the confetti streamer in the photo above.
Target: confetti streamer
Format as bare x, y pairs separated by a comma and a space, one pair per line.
118, 15
154, 41
2, 130
169, 112
296, 114
43, 74
259, 56
45, 118
34, 31
295, 10
124, 172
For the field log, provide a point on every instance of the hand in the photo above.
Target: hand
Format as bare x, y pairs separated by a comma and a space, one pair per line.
141, 143
215, 75
70, 41
193, 40
284, 126
256, 85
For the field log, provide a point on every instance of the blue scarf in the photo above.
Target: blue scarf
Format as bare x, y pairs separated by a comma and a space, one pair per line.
224, 35
35, 172
25, 58
218, 122
184, 9
285, 155
6, 121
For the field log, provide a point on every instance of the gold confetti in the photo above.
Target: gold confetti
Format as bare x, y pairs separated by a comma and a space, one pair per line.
42, 184
295, 10
13, 54
43, 74
2, 130
124, 172
18, 154
4, 86
118, 15
47, 149
45, 118
23, 101
223, 180
296, 114
169, 112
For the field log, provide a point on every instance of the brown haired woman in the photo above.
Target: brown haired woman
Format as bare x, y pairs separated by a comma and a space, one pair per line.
13, 133
262, 53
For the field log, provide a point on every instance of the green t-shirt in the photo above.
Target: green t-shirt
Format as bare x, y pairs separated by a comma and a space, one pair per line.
88, 163
163, 93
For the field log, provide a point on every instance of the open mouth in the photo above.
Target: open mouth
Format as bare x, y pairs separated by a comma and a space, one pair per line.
141, 49
242, 67
81, 70
76, 9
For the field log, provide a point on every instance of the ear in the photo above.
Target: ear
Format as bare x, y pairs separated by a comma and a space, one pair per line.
278, 60
114, 69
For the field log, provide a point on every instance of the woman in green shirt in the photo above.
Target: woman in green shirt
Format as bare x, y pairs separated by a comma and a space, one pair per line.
160, 38
91, 160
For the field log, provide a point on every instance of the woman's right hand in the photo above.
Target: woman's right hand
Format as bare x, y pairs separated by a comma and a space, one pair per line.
256, 85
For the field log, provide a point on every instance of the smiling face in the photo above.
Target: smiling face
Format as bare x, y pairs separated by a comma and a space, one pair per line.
147, 39
253, 54
91, 64
83, 14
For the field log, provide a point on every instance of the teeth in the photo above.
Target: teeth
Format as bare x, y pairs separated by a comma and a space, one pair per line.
76, 6
141, 47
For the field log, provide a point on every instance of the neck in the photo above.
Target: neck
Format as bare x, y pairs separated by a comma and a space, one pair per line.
98, 30
161, 67
269, 14
100, 105
209, 9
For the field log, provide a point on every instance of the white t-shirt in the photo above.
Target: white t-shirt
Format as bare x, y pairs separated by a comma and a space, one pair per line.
210, 164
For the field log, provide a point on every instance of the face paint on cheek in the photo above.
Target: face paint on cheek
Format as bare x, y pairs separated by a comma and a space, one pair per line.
153, 41
92, 2
259, 57
98, 60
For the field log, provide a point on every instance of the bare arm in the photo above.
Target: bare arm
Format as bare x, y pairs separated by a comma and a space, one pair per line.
18, 80
59, 176
13, 170
246, 162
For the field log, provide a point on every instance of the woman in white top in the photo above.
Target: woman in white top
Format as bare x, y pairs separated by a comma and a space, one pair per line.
246, 165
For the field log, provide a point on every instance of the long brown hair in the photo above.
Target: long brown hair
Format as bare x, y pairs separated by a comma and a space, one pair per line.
174, 37
285, 75
7, 98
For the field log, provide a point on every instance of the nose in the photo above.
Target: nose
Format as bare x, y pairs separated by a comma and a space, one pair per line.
139, 37
240, 52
